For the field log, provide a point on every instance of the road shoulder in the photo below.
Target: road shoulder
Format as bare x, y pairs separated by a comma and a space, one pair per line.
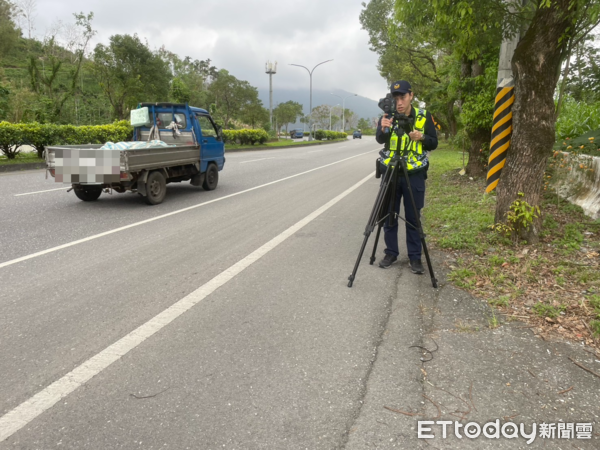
470, 371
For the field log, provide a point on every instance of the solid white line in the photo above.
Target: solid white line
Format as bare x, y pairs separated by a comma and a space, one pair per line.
324, 149
27, 411
39, 192
254, 160
126, 227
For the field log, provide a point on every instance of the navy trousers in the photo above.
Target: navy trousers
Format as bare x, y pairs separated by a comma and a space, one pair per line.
413, 239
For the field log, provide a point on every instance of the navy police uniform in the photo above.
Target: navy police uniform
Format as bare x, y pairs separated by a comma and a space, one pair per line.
417, 165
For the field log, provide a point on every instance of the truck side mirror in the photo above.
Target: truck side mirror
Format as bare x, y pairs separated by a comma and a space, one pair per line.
219, 132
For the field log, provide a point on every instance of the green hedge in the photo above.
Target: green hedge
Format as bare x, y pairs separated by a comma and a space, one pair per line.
329, 135
245, 136
39, 136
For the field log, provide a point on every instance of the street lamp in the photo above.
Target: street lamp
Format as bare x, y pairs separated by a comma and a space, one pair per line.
343, 110
330, 108
271, 69
310, 72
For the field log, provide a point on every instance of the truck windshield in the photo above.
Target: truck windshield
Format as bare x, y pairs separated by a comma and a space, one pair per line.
206, 126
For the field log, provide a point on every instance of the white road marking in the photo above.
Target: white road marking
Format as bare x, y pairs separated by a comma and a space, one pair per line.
27, 411
126, 227
254, 160
324, 149
39, 192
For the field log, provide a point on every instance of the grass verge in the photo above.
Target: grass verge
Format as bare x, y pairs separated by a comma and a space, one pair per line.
553, 285
21, 158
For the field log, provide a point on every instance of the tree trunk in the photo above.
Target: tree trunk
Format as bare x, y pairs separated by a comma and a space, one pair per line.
535, 66
476, 167
452, 124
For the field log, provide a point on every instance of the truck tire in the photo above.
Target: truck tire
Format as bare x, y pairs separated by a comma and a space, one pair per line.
88, 194
212, 178
156, 188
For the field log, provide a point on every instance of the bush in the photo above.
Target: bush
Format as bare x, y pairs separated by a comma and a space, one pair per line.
39, 136
329, 135
11, 138
245, 136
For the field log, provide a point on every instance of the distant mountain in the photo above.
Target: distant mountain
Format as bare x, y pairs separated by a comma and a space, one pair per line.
363, 107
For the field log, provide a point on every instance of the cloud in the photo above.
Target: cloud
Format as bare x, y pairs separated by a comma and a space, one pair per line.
242, 36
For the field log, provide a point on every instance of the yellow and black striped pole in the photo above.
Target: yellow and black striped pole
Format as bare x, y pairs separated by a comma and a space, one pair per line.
501, 134
502, 123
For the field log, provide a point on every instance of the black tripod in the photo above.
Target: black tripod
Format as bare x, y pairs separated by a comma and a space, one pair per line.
384, 210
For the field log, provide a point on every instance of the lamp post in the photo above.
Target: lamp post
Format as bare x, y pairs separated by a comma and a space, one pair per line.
330, 108
310, 72
271, 69
343, 110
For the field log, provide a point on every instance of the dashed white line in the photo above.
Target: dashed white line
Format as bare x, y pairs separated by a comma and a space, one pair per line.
27, 411
39, 192
254, 160
126, 227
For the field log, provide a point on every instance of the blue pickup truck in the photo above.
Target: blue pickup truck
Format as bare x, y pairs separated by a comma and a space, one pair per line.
297, 134
171, 143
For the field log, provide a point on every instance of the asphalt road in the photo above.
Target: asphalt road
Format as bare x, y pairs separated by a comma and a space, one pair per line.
223, 320
217, 319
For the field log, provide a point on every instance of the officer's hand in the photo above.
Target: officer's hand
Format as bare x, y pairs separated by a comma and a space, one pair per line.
416, 135
385, 122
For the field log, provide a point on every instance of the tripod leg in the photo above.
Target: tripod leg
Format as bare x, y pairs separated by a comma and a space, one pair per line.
429, 266
373, 219
376, 242
418, 226
360, 253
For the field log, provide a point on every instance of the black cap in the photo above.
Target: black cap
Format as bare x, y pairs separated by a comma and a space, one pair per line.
400, 87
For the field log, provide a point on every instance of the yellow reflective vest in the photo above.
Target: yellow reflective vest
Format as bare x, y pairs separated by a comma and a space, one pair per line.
412, 151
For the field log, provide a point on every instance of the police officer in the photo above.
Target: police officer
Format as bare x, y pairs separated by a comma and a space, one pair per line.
421, 139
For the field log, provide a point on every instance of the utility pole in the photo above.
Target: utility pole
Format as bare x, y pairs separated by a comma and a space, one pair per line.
502, 123
271, 69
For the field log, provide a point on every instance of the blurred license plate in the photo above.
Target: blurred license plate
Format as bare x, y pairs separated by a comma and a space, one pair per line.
86, 165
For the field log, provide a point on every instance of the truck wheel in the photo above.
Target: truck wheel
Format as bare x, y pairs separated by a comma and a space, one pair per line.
156, 188
88, 194
212, 178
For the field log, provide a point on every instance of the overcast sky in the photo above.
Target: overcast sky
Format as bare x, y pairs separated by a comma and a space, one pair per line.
241, 36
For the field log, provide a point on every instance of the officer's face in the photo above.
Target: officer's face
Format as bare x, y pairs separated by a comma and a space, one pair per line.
403, 102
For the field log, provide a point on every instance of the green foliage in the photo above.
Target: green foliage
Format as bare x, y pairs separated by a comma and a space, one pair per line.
550, 311
594, 300
193, 78
522, 214
577, 118
9, 34
595, 326
519, 219
572, 238
130, 73
234, 98
4, 94
583, 80
329, 135
286, 113
245, 136
12, 136
180, 93
503, 300
478, 98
